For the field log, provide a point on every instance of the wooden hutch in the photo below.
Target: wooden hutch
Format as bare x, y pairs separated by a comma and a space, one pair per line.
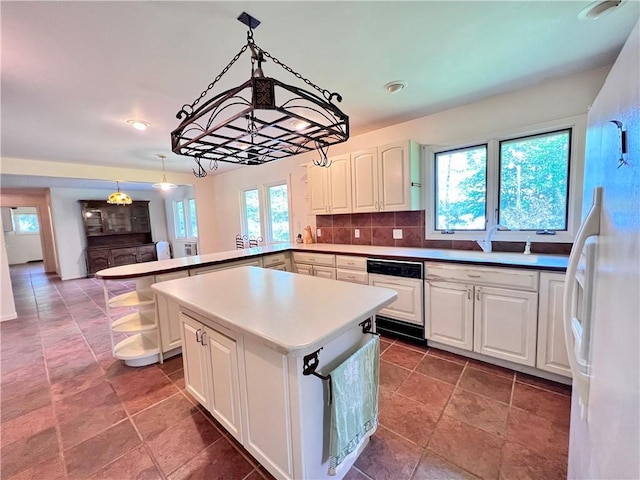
117, 234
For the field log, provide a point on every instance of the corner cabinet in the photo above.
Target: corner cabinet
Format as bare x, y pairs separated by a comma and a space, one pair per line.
315, 264
330, 188
134, 335
386, 178
492, 311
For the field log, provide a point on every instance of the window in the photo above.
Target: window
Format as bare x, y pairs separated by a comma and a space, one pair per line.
278, 202
25, 223
185, 219
252, 226
461, 189
534, 182
521, 183
265, 212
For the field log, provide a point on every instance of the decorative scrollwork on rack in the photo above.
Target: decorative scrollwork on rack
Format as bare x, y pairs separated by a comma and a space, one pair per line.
323, 150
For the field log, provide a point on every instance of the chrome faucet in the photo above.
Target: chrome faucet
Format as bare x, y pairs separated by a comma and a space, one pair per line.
486, 243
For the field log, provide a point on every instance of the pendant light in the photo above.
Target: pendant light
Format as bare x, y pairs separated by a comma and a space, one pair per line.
119, 198
260, 120
164, 185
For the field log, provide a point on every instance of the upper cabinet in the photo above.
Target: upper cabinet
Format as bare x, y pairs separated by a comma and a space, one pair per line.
378, 179
387, 178
101, 218
330, 188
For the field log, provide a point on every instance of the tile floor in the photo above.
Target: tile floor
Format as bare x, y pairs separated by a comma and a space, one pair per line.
69, 410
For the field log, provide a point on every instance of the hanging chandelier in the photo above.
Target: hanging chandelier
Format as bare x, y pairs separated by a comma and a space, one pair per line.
164, 185
119, 198
260, 120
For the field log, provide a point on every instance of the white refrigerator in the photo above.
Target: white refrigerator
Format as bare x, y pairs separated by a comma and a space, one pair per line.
602, 307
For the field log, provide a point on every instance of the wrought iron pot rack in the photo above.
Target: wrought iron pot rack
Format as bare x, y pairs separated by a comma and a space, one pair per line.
259, 121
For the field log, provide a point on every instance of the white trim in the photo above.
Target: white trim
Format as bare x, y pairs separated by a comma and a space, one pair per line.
576, 168
9, 316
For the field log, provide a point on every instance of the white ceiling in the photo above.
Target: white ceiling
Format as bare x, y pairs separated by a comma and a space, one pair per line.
74, 72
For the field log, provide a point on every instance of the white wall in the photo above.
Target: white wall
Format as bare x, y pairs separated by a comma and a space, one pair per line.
22, 248
7, 307
69, 229
556, 99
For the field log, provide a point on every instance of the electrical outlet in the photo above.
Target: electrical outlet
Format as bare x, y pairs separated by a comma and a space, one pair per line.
318, 232
397, 234
356, 233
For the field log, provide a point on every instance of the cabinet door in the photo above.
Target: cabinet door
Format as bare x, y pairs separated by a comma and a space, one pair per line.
140, 219
318, 190
117, 219
92, 217
324, 272
169, 315
147, 253
552, 350
97, 260
339, 184
364, 169
194, 358
394, 179
124, 256
303, 268
505, 324
408, 305
448, 311
225, 391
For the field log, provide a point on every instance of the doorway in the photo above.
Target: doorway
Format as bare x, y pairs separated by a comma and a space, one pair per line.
21, 229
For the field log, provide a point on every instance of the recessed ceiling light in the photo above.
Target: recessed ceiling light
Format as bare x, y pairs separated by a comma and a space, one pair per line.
138, 124
599, 9
395, 86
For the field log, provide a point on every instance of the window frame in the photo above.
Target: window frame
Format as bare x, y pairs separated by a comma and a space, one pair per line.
577, 126
186, 213
265, 210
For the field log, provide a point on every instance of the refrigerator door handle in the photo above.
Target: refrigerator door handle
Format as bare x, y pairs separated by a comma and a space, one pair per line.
573, 336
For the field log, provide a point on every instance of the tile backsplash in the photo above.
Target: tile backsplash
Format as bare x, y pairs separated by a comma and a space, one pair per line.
377, 229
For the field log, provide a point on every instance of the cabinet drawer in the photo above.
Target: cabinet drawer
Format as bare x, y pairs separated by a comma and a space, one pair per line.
353, 276
351, 263
315, 258
503, 277
270, 260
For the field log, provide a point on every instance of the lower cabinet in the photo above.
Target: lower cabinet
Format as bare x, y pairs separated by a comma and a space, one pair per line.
169, 315
552, 350
211, 371
99, 258
315, 264
479, 311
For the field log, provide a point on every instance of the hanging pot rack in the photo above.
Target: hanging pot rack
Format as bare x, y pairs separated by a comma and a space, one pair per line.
259, 121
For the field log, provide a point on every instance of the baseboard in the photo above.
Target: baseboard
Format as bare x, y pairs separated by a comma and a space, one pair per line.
9, 316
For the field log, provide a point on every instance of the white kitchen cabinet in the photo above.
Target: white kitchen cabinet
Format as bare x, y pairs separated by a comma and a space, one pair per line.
251, 262
492, 311
449, 313
552, 350
330, 187
505, 324
352, 269
276, 261
386, 178
315, 264
168, 313
211, 371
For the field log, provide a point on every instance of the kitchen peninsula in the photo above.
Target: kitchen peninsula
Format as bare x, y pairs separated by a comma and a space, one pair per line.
249, 334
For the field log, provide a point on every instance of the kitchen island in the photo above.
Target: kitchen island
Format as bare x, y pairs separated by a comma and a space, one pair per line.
248, 333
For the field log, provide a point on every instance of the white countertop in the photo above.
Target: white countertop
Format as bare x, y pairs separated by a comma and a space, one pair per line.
549, 262
293, 314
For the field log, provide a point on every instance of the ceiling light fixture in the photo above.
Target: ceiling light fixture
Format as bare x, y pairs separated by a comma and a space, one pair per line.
599, 9
138, 124
164, 185
395, 86
119, 198
250, 115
